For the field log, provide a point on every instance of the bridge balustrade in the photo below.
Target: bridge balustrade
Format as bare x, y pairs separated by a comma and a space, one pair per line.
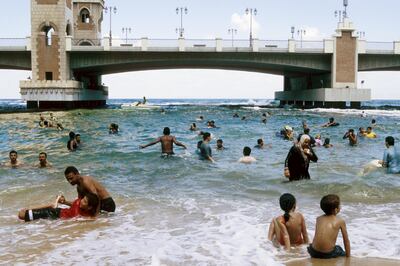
308, 45
380, 47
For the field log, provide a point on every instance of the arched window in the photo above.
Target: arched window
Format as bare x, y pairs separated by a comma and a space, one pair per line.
68, 29
48, 30
85, 16
85, 43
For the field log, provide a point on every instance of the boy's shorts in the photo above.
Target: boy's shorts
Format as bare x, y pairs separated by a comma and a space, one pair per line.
336, 252
45, 213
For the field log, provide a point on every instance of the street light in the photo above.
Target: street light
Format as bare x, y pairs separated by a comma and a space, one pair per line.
232, 31
252, 12
110, 9
301, 32
126, 31
338, 13
292, 30
181, 11
361, 34
342, 14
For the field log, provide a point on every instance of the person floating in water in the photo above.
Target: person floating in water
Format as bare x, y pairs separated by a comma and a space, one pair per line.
391, 157
87, 184
86, 207
14, 162
288, 229
167, 142
43, 163
286, 133
247, 158
298, 160
361, 132
331, 123
260, 144
193, 127
327, 228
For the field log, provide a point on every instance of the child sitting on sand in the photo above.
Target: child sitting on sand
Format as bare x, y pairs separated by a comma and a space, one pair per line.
288, 229
326, 231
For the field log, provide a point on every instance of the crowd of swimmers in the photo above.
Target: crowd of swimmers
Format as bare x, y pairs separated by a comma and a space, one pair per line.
288, 229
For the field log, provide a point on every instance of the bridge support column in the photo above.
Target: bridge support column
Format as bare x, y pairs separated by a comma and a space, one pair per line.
335, 89
53, 85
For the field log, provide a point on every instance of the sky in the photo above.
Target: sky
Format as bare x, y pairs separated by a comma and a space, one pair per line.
210, 19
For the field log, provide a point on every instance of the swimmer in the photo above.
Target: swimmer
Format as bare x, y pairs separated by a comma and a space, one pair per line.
260, 144
200, 118
211, 124
193, 127
287, 133
362, 132
264, 121
71, 144
205, 149
87, 184
370, 134
327, 143
236, 115
243, 118
167, 142
351, 136
14, 162
246, 156
113, 128
391, 156
86, 207
220, 145
363, 114
318, 141
290, 228
43, 163
78, 140
331, 123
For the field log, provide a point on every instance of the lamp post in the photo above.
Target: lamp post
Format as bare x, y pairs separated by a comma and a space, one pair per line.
342, 14
361, 34
338, 13
232, 31
292, 30
301, 33
110, 9
252, 12
126, 31
181, 11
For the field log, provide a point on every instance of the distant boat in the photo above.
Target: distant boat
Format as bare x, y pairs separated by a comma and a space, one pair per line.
139, 105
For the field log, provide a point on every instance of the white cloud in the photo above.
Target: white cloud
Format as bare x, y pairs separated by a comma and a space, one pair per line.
242, 23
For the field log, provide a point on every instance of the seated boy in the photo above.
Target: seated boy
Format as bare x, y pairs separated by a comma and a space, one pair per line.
87, 206
326, 231
246, 156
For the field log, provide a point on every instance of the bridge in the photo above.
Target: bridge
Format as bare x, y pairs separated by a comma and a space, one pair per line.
67, 65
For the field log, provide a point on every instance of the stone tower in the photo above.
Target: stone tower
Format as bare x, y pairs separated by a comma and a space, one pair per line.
53, 83
87, 19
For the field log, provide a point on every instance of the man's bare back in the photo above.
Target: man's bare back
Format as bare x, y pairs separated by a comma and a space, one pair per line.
89, 184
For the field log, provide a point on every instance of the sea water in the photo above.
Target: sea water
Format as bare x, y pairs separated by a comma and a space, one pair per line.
184, 211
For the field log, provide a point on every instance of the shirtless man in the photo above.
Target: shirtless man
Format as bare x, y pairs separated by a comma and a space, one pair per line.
167, 142
13, 160
246, 156
43, 163
86, 184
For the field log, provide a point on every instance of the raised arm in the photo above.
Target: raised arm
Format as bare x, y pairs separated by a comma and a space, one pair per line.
177, 143
151, 143
346, 241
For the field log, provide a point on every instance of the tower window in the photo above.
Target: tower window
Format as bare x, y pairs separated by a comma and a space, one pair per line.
49, 75
48, 30
85, 16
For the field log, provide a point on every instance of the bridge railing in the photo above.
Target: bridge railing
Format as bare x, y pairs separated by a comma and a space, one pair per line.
13, 42
309, 45
380, 47
273, 45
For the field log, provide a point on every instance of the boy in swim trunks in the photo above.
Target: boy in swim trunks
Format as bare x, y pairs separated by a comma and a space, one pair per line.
326, 231
87, 207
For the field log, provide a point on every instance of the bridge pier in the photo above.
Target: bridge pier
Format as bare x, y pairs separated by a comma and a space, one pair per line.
335, 89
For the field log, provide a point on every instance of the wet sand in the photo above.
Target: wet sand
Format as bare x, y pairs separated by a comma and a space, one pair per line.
344, 261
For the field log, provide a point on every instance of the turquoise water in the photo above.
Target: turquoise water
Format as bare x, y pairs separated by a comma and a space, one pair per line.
182, 210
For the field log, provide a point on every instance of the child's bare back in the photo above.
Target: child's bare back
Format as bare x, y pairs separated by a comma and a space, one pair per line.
327, 229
